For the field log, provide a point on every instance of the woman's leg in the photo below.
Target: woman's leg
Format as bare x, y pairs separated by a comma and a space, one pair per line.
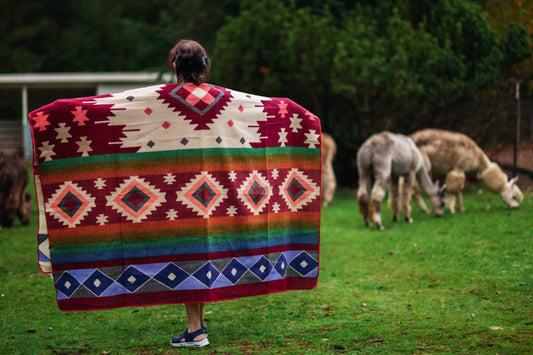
195, 315
201, 310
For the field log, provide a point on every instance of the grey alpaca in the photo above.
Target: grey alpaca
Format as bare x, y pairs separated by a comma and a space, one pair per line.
384, 158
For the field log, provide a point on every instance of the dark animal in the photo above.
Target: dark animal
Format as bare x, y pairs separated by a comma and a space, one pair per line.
15, 200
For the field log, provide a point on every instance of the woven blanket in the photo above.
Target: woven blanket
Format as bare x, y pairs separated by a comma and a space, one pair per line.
175, 194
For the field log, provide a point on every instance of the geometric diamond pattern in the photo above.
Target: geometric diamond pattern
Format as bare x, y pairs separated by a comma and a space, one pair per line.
298, 190
135, 199
67, 284
70, 204
207, 274
132, 279
281, 265
262, 268
303, 263
98, 282
213, 274
203, 194
199, 98
234, 271
44, 248
171, 276
201, 104
255, 192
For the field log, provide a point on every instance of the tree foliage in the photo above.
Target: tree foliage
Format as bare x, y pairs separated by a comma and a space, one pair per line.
274, 49
362, 66
513, 20
394, 63
102, 35
398, 72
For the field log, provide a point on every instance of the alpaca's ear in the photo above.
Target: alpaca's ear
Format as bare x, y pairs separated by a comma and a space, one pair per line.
513, 181
442, 191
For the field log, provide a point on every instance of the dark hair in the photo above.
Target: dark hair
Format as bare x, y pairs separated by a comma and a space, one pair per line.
192, 63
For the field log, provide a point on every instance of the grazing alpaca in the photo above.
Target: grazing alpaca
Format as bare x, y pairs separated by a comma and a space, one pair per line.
15, 200
454, 155
385, 157
329, 183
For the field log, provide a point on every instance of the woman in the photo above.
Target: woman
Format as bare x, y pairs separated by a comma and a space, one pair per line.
191, 64
227, 198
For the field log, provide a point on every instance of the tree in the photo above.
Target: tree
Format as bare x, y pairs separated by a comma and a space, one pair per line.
513, 20
98, 35
277, 50
398, 73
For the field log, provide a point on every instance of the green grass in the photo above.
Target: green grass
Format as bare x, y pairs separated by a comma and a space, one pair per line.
434, 286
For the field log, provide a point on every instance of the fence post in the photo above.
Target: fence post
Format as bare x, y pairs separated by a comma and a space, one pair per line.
26, 134
517, 136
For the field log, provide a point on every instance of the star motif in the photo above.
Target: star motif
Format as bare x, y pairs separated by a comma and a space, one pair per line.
170, 178
102, 219
62, 133
295, 123
312, 138
282, 137
172, 214
41, 121
232, 211
47, 151
275, 207
80, 115
232, 175
310, 115
275, 173
84, 146
99, 183
282, 109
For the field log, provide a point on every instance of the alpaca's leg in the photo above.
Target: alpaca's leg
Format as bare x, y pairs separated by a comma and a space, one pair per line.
364, 210
419, 200
460, 201
363, 199
376, 197
329, 185
455, 181
394, 203
451, 201
405, 196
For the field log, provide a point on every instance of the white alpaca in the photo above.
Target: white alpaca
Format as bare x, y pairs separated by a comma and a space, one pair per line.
384, 158
454, 155
329, 182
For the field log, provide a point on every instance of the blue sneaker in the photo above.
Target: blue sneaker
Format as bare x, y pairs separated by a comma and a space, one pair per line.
188, 339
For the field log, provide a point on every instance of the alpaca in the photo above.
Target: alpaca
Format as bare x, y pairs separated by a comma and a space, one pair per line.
329, 183
454, 154
15, 200
385, 157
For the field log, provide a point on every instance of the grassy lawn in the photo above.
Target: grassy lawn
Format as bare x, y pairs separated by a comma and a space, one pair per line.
434, 286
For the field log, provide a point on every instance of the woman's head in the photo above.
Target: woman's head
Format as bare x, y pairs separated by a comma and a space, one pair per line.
190, 62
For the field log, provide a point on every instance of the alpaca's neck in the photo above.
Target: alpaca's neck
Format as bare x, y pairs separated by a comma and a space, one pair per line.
494, 178
483, 161
425, 182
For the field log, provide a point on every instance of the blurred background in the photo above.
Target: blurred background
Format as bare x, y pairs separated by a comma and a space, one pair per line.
361, 66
